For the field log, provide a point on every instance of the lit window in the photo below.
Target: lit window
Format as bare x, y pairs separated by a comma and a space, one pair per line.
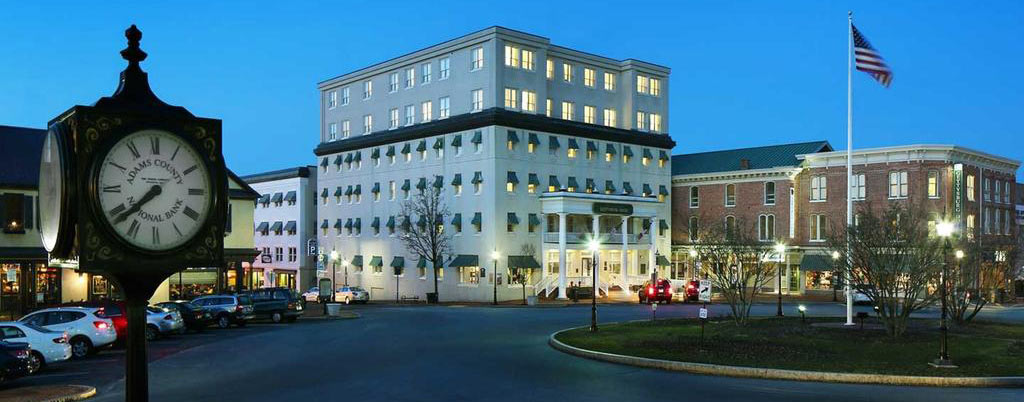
550, 69
444, 109
898, 186
527, 59
766, 227
610, 118
332, 131
858, 186
547, 107
510, 184
367, 123
933, 184
391, 190
819, 188
477, 55
970, 187
641, 119
589, 114
427, 111
529, 101
393, 82
568, 110
730, 195
511, 56
589, 77
478, 100
410, 115
818, 227
655, 87
367, 89
567, 72
511, 98
642, 84
444, 66
655, 122
410, 77
393, 118
609, 82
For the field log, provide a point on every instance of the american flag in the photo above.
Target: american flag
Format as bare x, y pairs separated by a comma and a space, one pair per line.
869, 61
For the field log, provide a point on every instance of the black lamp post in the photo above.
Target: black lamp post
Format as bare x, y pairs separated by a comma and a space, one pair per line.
593, 247
495, 256
944, 230
781, 249
835, 287
334, 273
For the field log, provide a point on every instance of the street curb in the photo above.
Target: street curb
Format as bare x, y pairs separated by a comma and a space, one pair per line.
44, 393
348, 315
780, 374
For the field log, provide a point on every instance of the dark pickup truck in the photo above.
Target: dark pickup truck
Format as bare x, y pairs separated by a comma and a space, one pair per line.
277, 304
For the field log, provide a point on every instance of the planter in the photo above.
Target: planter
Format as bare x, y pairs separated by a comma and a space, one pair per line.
333, 309
432, 298
531, 300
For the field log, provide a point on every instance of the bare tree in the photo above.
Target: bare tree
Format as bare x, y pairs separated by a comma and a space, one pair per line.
519, 274
893, 259
428, 241
738, 264
972, 277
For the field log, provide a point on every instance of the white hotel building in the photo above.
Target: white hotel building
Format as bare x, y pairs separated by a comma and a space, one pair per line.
534, 146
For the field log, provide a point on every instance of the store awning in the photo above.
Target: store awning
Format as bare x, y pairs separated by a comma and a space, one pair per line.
398, 262
553, 142
512, 219
532, 139
573, 144
277, 197
457, 140
609, 149
438, 181
290, 226
478, 137
465, 260
262, 227
816, 263
512, 137
534, 220
477, 218
662, 261
512, 178
422, 146
276, 227
457, 180
523, 261
478, 177
290, 197
376, 261
357, 261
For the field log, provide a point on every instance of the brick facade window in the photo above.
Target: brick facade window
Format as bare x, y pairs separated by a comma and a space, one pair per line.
818, 223
730, 195
819, 192
970, 187
899, 187
934, 183
766, 227
693, 228
858, 186
730, 226
769, 193
694, 197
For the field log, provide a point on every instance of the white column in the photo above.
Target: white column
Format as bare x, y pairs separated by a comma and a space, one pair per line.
652, 263
624, 261
562, 271
597, 233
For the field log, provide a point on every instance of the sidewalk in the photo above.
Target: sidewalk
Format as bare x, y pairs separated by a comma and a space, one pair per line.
48, 393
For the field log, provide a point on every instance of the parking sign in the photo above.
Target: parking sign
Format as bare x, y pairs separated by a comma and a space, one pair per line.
704, 293
703, 313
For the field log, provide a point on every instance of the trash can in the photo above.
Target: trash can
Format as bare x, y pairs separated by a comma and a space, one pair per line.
333, 309
531, 300
432, 298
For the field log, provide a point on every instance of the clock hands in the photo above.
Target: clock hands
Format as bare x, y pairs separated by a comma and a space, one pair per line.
152, 193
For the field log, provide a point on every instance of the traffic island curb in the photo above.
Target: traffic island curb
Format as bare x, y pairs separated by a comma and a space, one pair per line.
48, 393
344, 315
782, 374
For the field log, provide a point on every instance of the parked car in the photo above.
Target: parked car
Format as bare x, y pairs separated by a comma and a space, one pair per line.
690, 292
88, 328
195, 317
658, 292
14, 360
312, 295
278, 304
45, 346
351, 294
116, 311
860, 297
162, 322
227, 309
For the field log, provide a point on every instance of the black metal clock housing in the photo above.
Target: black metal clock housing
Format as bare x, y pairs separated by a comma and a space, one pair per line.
57, 197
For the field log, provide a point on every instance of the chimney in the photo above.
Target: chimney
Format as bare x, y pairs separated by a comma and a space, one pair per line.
744, 163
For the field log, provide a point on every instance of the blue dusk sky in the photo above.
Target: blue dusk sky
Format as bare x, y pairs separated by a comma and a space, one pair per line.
743, 73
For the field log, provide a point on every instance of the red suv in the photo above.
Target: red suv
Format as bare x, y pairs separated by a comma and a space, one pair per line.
658, 292
692, 291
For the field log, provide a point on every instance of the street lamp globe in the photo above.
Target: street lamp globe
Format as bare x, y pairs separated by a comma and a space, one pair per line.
495, 255
944, 229
593, 245
959, 254
334, 255
780, 248
693, 253
835, 255
802, 308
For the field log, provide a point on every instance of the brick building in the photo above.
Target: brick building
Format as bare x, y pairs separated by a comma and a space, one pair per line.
794, 194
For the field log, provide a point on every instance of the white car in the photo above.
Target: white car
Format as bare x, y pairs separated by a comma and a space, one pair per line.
351, 294
162, 322
86, 327
312, 295
46, 346
859, 297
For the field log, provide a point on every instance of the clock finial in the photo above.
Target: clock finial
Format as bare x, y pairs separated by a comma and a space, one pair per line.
133, 91
133, 53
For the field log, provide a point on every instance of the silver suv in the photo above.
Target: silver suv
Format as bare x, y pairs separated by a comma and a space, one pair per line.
227, 309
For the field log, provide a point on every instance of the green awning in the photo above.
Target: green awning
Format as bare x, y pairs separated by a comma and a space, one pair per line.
324, 162
438, 181
338, 224
265, 199
338, 160
590, 185
816, 263
457, 219
626, 188
376, 188
662, 224
276, 227
324, 193
376, 261
406, 148
647, 189
477, 217
647, 154
391, 151
457, 140
553, 182
290, 196
591, 146
465, 260
422, 184
523, 261
512, 137
405, 185
662, 261
422, 146
348, 223
398, 262
533, 139
532, 179
348, 158
478, 137
358, 156
358, 190
662, 190
573, 144
553, 142
348, 190
290, 226
325, 224
534, 220
439, 143
478, 177
662, 155
627, 151
572, 183
512, 219
375, 154
277, 197
357, 261
457, 180
376, 222
264, 226
422, 263
609, 186
391, 223
338, 192
358, 223
609, 149
512, 178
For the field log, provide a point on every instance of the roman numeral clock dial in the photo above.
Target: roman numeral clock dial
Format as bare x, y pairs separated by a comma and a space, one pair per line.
154, 190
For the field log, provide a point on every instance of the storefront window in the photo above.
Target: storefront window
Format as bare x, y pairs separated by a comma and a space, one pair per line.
469, 275
819, 280
47, 285
194, 282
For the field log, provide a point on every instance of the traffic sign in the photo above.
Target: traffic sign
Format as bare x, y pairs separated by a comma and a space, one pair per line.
703, 313
311, 248
704, 291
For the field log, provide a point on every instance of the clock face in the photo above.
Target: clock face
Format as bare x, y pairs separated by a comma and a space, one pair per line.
154, 190
51, 190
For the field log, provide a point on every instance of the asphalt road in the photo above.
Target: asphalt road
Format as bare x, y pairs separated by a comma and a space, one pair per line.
450, 353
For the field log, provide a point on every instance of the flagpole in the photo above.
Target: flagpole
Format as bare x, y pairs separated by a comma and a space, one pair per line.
849, 163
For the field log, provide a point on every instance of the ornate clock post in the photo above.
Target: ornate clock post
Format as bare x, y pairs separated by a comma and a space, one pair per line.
146, 185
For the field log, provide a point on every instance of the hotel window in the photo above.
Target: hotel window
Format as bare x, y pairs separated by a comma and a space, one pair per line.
511, 56
986, 189
391, 190
609, 82
568, 110
410, 77
642, 84
393, 82
858, 186
444, 67
512, 140
332, 99
693, 228
332, 131
531, 184
405, 189
511, 98
410, 115
511, 182
766, 227
547, 107
589, 77
694, 197
478, 180
550, 69
645, 159
818, 227
393, 118
970, 187
933, 183
457, 184
819, 188
427, 111
376, 192
769, 193
898, 186
655, 122
278, 253
589, 114
477, 100
655, 87
477, 55
527, 59
445, 108
987, 217
425, 73
609, 118
1006, 218
367, 89
344, 96
529, 101
346, 128
970, 226
641, 119
730, 195
567, 72
292, 254
367, 123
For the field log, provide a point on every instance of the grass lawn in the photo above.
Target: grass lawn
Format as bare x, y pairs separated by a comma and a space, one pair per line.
980, 349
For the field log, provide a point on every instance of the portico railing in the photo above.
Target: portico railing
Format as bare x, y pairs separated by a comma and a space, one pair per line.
606, 238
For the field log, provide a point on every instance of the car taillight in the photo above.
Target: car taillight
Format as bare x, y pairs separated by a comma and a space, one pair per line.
168, 317
21, 354
100, 324
690, 286
669, 289
238, 307
60, 340
650, 291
